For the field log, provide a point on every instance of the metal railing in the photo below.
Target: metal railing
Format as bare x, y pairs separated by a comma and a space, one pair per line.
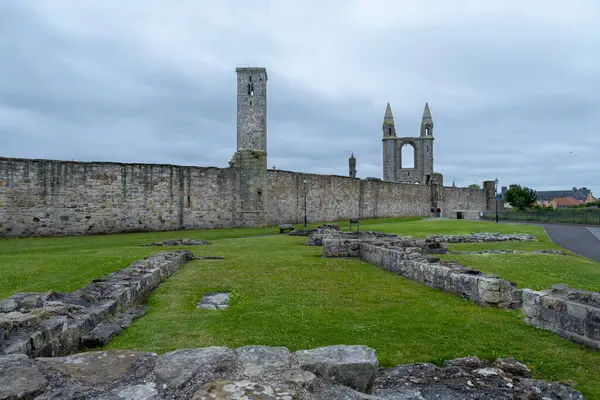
568, 217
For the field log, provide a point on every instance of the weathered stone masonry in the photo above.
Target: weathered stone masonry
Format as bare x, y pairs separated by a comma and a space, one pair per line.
570, 313
55, 324
50, 197
408, 257
268, 373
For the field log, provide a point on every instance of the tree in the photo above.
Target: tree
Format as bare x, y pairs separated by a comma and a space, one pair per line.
474, 186
520, 197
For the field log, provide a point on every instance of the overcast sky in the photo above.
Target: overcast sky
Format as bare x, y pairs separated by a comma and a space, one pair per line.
513, 85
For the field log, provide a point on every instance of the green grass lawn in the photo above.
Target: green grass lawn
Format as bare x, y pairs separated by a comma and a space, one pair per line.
68, 263
285, 294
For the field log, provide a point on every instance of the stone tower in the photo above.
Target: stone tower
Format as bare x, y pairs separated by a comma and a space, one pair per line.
252, 108
422, 147
352, 166
389, 145
250, 160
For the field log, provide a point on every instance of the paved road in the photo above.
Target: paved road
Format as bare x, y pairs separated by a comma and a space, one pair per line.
579, 239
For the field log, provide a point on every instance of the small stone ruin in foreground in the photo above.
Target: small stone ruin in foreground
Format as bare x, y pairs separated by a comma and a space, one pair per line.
267, 373
570, 313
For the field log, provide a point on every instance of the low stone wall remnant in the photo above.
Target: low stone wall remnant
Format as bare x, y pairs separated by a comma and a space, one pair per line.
411, 259
56, 324
507, 251
482, 237
317, 237
466, 282
180, 242
570, 313
268, 373
308, 232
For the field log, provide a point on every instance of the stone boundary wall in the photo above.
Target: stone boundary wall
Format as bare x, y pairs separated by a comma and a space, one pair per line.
470, 201
332, 198
570, 313
51, 197
48, 197
55, 324
261, 372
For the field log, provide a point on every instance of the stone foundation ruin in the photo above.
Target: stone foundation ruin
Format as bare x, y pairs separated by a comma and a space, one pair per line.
570, 313
180, 242
409, 258
40, 331
56, 324
267, 373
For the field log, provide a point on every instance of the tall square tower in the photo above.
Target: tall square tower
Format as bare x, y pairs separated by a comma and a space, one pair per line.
252, 108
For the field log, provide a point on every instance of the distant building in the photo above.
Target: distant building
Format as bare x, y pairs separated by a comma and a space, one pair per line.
563, 202
582, 194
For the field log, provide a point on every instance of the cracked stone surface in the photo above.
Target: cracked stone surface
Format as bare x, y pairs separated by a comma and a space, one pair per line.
214, 301
268, 373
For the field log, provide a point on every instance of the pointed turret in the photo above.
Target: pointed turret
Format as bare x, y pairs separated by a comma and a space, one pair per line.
427, 122
389, 128
427, 112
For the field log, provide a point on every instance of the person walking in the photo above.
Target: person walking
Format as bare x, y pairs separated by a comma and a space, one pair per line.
439, 211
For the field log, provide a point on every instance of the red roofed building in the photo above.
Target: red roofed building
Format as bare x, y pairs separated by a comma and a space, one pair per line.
562, 202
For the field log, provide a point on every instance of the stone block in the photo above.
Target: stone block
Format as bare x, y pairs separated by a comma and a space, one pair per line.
263, 360
592, 325
8, 305
101, 335
554, 303
571, 324
560, 288
353, 366
175, 368
488, 284
20, 381
577, 310
96, 368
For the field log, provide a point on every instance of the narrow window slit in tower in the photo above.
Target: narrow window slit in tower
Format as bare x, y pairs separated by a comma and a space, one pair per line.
250, 102
189, 201
252, 89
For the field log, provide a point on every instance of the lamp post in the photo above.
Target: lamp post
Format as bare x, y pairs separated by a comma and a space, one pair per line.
496, 194
304, 182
